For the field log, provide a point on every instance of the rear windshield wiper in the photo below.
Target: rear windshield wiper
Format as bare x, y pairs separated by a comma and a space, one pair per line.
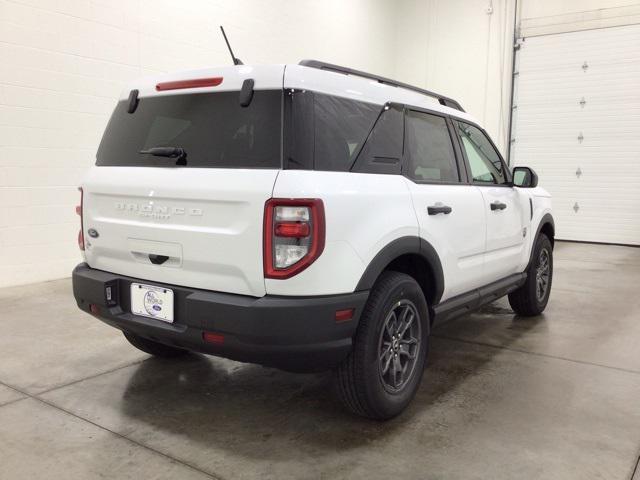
170, 152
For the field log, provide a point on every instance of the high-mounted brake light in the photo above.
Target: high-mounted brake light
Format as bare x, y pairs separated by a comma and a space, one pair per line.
193, 83
79, 212
294, 232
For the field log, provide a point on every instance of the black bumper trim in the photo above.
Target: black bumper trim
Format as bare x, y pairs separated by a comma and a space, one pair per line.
292, 333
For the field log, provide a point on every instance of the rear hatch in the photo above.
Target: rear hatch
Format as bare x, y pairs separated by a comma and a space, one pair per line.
194, 221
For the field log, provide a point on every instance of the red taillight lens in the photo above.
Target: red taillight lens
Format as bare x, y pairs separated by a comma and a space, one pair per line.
344, 315
193, 83
294, 231
79, 212
211, 337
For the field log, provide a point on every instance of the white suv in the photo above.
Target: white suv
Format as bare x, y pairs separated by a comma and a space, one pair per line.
306, 217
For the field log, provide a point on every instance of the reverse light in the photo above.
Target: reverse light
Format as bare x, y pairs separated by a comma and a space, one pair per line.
79, 212
193, 83
294, 231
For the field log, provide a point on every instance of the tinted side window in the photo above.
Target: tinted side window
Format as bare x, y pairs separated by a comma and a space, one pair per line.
428, 148
486, 165
383, 149
324, 132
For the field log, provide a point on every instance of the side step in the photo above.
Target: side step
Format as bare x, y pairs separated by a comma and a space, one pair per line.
467, 302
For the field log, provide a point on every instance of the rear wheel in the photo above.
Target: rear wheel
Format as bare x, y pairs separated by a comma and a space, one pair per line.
153, 348
532, 297
383, 372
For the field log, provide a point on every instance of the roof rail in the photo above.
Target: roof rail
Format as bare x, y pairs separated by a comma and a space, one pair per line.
446, 101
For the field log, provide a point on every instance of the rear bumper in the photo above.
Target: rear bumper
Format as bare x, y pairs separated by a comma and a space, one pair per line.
292, 333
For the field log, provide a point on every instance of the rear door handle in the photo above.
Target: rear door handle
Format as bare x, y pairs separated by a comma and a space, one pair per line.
498, 205
436, 209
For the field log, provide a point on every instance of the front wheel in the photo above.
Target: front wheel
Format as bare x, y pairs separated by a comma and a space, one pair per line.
383, 372
532, 297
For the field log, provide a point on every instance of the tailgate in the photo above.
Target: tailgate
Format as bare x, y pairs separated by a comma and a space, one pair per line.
195, 227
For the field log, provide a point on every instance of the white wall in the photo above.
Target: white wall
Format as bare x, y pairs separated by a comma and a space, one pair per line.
458, 48
63, 63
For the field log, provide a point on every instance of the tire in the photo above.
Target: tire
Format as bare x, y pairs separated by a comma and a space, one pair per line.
528, 300
363, 386
153, 348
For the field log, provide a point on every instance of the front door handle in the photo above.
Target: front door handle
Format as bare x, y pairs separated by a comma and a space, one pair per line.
498, 205
436, 209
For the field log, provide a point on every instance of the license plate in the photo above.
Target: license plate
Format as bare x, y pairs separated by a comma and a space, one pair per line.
151, 301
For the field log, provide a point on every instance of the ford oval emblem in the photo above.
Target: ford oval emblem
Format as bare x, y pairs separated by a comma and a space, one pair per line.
93, 233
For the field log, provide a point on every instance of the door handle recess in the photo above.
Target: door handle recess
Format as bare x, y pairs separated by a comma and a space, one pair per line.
498, 206
158, 259
436, 209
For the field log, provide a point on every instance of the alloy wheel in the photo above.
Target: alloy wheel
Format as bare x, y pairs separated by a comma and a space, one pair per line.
399, 346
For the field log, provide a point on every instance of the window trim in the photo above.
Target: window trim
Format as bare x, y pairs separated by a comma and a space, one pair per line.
462, 174
508, 179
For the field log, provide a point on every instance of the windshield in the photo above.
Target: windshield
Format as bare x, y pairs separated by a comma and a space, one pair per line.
211, 128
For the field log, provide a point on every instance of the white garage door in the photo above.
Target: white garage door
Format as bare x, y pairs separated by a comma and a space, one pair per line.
577, 123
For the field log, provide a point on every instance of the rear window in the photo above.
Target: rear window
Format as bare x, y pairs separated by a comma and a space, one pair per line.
325, 132
212, 128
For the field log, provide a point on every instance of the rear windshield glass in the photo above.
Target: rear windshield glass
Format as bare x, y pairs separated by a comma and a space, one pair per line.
324, 132
212, 128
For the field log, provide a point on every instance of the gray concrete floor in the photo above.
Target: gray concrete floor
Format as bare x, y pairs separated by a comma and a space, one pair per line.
554, 397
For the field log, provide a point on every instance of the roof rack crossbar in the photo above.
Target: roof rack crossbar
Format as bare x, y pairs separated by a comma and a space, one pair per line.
446, 101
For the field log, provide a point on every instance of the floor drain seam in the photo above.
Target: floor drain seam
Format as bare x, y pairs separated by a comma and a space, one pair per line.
635, 470
11, 402
91, 377
125, 437
102, 427
545, 355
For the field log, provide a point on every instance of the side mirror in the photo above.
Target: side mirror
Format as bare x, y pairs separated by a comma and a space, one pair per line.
525, 177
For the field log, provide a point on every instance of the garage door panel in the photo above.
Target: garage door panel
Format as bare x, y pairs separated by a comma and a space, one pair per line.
587, 155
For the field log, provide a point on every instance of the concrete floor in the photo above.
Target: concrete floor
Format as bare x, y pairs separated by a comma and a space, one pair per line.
554, 397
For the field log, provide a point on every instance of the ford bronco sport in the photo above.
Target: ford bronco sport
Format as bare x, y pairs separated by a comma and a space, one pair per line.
305, 217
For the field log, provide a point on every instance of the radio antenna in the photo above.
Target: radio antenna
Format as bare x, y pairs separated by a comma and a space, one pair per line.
236, 61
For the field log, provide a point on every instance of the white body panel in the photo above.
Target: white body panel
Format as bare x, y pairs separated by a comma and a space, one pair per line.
458, 237
505, 231
207, 221
585, 153
266, 77
364, 213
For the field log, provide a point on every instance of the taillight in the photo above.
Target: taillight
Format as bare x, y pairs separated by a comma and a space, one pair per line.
294, 231
79, 212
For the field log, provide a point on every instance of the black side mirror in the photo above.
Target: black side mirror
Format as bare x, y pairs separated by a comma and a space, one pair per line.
525, 177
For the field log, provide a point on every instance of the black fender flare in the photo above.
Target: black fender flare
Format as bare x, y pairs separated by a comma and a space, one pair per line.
402, 246
547, 219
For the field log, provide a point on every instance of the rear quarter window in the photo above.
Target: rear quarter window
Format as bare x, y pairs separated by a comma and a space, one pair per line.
325, 132
213, 129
